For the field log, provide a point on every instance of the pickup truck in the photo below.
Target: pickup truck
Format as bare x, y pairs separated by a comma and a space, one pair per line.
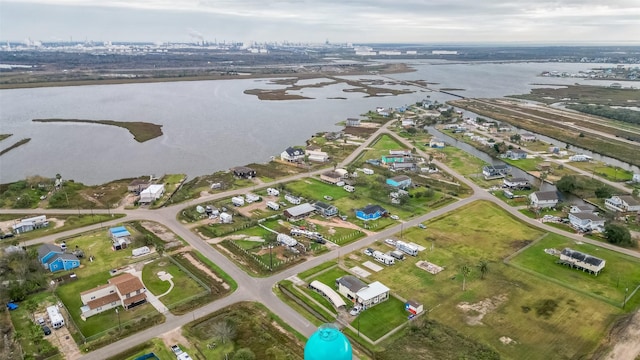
176, 349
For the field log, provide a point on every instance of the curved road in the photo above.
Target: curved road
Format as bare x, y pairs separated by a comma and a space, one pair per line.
260, 289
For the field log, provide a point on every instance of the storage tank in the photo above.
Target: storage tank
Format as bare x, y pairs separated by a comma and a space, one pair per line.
328, 343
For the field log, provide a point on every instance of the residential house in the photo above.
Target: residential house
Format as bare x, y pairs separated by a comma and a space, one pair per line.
243, 172
137, 185
120, 237
292, 154
516, 183
411, 166
408, 123
53, 258
333, 135
579, 158
124, 290
544, 199
582, 261
436, 143
586, 221
364, 295
317, 156
30, 224
371, 212
332, 177
400, 152
495, 171
151, 193
580, 208
636, 178
353, 122
527, 137
299, 212
401, 181
349, 285
325, 209
394, 159
622, 203
516, 154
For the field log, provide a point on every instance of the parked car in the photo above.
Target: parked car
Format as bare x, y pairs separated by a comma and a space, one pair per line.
46, 330
328, 198
390, 242
6, 236
368, 251
40, 321
422, 226
176, 349
355, 310
395, 217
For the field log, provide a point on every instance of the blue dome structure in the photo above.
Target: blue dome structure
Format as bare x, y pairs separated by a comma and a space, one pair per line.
328, 343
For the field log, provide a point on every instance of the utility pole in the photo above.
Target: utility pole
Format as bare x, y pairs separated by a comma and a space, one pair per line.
119, 325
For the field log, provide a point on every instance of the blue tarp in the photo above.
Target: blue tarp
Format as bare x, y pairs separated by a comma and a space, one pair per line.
12, 306
119, 231
147, 356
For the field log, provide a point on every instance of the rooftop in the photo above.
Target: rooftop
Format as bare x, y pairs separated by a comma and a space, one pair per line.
374, 289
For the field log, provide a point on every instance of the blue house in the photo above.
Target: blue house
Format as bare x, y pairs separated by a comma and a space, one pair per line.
401, 181
370, 212
52, 257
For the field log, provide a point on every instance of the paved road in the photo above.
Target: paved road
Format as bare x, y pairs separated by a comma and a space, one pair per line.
260, 289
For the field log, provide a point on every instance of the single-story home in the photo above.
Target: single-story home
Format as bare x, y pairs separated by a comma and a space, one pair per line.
124, 290
365, 295
151, 193
544, 199
137, 185
411, 166
582, 261
408, 123
436, 143
325, 209
401, 181
317, 156
292, 154
586, 221
349, 285
299, 212
53, 258
516, 183
527, 137
579, 158
516, 154
622, 203
331, 176
353, 122
371, 212
243, 172
30, 224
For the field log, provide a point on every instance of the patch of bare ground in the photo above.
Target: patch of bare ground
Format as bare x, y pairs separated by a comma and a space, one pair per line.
477, 311
174, 337
232, 256
624, 339
162, 232
205, 270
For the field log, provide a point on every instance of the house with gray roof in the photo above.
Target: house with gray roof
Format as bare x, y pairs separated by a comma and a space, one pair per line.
582, 261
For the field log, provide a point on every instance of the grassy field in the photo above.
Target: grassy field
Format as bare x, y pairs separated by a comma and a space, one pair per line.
155, 346
461, 161
381, 146
32, 341
528, 164
171, 183
546, 318
253, 328
603, 170
62, 222
377, 321
621, 271
184, 285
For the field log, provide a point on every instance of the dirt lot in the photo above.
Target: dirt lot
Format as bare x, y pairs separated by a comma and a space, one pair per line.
627, 346
206, 270
163, 233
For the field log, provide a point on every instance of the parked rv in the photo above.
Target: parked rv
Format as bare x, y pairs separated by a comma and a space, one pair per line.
57, 321
383, 258
407, 248
237, 200
397, 254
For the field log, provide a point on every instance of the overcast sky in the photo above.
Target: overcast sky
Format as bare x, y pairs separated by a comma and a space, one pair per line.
406, 21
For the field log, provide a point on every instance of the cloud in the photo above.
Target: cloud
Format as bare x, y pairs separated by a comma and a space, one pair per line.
306, 20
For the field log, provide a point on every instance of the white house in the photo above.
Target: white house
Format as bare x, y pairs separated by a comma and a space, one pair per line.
152, 193
317, 156
586, 221
365, 295
622, 203
582, 261
30, 224
516, 183
408, 122
527, 137
544, 199
292, 154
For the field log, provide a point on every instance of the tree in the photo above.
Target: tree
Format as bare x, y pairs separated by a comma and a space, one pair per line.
412, 130
515, 138
603, 192
483, 266
465, 271
244, 354
225, 331
567, 184
618, 234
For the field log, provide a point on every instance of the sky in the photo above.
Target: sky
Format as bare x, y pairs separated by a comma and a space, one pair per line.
338, 21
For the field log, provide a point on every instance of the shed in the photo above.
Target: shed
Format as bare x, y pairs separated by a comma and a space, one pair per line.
413, 307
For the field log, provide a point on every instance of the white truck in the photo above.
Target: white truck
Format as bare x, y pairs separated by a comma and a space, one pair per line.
383, 258
409, 249
349, 188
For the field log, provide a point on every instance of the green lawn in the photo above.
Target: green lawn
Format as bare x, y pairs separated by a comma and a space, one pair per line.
547, 320
461, 161
528, 164
611, 173
621, 271
329, 277
184, 285
381, 146
313, 189
305, 274
375, 322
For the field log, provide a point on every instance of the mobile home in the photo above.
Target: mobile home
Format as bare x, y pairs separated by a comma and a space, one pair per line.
273, 192
273, 205
237, 200
383, 258
409, 249
57, 321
